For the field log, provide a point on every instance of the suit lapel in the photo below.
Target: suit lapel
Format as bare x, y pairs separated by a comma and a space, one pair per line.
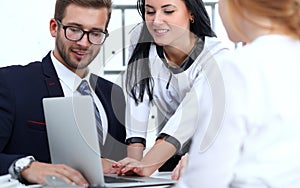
51, 78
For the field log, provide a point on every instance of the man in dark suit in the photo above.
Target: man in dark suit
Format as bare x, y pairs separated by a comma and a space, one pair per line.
79, 28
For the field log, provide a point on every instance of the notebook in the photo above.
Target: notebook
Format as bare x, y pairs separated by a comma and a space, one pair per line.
72, 136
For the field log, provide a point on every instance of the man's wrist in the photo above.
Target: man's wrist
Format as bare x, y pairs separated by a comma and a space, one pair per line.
19, 165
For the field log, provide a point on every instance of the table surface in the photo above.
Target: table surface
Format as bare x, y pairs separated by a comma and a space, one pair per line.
7, 182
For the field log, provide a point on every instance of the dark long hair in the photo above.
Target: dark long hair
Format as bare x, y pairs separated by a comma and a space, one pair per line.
138, 77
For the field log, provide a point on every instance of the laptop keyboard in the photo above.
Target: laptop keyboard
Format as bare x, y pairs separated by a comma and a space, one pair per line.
109, 179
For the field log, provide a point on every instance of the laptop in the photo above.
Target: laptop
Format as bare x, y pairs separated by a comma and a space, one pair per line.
73, 140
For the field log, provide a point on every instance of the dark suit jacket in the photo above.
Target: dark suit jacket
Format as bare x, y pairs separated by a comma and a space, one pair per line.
22, 122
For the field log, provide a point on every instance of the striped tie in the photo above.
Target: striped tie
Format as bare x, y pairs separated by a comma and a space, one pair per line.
84, 89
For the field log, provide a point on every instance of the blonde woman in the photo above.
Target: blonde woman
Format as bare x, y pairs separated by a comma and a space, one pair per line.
256, 142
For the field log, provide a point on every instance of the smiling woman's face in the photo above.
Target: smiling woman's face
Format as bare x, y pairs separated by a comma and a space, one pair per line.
167, 20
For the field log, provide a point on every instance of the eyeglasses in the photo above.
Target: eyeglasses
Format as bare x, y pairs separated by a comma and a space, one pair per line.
76, 34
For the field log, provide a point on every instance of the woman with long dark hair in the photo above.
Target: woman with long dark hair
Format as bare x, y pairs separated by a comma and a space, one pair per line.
169, 54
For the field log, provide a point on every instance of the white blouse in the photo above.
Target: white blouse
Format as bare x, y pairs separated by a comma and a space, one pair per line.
255, 141
178, 105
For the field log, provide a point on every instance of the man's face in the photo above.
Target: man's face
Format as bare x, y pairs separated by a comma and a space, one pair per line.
77, 55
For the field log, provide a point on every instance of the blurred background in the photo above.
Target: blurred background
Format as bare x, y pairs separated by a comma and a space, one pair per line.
25, 35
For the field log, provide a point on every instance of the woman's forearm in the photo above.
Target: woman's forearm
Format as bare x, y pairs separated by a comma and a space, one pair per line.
135, 151
158, 155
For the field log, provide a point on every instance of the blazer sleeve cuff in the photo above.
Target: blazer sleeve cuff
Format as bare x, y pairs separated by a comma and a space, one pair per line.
170, 139
136, 140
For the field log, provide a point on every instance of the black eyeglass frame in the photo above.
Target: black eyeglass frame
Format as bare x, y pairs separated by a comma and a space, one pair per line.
65, 27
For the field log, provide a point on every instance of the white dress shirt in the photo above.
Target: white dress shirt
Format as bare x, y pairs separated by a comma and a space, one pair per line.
70, 82
255, 141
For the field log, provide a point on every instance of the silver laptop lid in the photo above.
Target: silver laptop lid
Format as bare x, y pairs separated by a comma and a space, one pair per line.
72, 120
73, 140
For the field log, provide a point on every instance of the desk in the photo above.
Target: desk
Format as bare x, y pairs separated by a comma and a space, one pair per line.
7, 182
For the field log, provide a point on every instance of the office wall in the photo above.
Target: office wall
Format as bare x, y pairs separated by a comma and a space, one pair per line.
25, 33
24, 30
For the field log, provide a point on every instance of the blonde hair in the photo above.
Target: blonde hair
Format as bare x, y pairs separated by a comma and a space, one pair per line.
283, 12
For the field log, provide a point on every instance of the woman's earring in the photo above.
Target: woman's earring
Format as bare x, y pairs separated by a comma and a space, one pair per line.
192, 20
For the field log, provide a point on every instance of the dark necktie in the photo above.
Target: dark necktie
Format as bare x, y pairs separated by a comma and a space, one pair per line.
84, 89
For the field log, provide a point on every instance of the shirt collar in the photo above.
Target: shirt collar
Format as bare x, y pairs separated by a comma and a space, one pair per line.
69, 78
197, 49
